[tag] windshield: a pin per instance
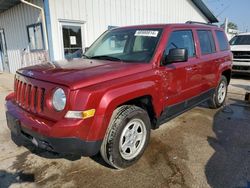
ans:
(131, 45)
(240, 40)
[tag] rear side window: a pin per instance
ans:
(207, 44)
(223, 43)
(181, 39)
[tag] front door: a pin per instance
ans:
(182, 78)
(4, 64)
(72, 35)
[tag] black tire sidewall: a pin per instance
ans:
(113, 152)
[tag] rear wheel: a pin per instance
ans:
(219, 96)
(127, 136)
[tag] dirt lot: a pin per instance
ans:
(201, 148)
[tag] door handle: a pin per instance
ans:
(189, 68)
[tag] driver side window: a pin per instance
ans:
(181, 39)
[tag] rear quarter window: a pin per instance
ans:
(206, 40)
(222, 40)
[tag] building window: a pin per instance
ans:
(35, 37)
(72, 41)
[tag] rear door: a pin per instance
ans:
(208, 58)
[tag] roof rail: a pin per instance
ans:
(201, 23)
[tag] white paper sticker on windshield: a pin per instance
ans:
(146, 33)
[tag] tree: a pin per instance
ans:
(232, 25)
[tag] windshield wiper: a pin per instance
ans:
(105, 57)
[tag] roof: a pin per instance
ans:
(205, 10)
(6, 4)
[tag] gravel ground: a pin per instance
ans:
(201, 148)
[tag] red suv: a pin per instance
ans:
(131, 80)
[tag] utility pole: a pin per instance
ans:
(226, 25)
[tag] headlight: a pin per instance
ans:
(59, 99)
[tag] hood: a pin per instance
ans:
(78, 73)
(240, 47)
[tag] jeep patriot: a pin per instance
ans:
(130, 80)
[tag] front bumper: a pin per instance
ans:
(29, 130)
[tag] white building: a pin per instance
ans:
(28, 28)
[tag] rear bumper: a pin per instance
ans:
(31, 130)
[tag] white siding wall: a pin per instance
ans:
(99, 14)
(14, 22)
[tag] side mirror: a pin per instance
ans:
(176, 55)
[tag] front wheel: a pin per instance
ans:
(218, 98)
(127, 136)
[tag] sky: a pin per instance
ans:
(237, 11)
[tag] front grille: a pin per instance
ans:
(29, 97)
(241, 68)
(241, 54)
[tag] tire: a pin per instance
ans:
(127, 136)
(218, 98)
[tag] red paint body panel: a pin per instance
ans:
(105, 85)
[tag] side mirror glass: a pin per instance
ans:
(176, 55)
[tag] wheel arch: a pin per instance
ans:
(227, 73)
(145, 102)
(140, 94)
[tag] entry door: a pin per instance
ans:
(4, 64)
(72, 38)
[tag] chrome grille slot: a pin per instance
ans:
(29, 97)
(241, 54)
